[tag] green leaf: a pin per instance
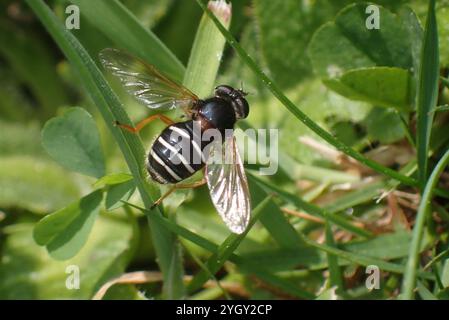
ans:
(124, 29)
(118, 192)
(112, 178)
(28, 272)
(34, 184)
(427, 92)
(442, 17)
(284, 35)
(74, 142)
(346, 43)
(65, 231)
(364, 64)
(381, 86)
(384, 125)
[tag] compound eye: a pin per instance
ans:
(241, 108)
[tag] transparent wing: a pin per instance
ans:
(145, 82)
(227, 184)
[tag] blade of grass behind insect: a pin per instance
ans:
(311, 208)
(427, 91)
(243, 264)
(424, 293)
(130, 145)
(216, 261)
(335, 274)
(114, 20)
(357, 258)
(412, 265)
(274, 220)
(211, 276)
(275, 90)
(207, 50)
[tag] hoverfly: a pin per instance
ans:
(227, 183)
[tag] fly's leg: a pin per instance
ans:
(144, 122)
(179, 186)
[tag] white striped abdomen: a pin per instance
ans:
(177, 153)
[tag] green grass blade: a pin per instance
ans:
(130, 145)
(412, 266)
(312, 209)
(357, 258)
(206, 53)
(273, 219)
(123, 28)
(427, 92)
(424, 293)
(439, 257)
(243, 264)
(216, 261)
(335, 273)
(275, 90)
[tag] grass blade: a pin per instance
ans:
(423, 211)
(216, 261)
(130, 145)
(427, 92)
(360, 259)
(335, 274)
(243, 264)
(125, 30)
(207, 50)
(273, 219)
(275, 90)
(312, 209)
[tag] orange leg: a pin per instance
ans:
(179, 186)
(144, 122)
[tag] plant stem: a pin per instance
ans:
(427, 92)
(423, 211)
(207, 50)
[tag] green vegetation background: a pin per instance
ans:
(365, 90)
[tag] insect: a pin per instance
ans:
(167, 162)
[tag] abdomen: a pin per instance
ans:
(177, 153)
